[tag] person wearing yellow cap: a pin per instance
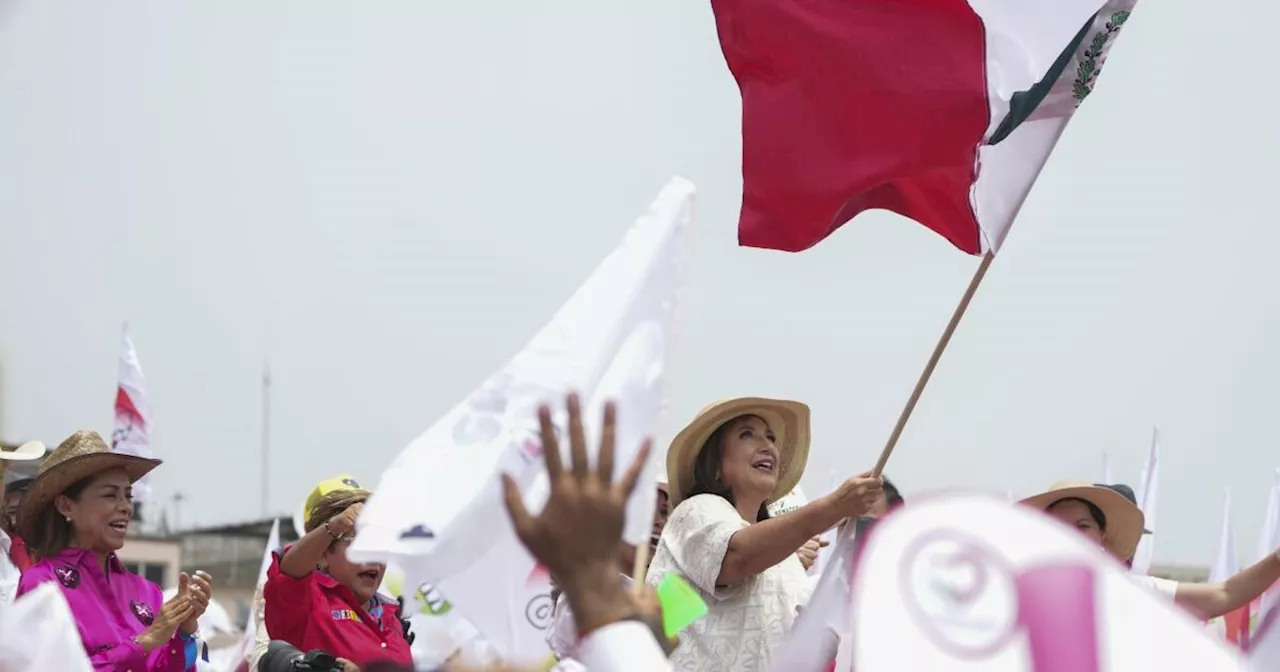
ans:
(317, 599)
(1108, 515)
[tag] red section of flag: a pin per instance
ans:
(856, 105)
(1238, 626)
(124, 405)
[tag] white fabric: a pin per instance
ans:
(9, 573)
(38, 632)
(1164, 588)
(1148, 492)
(610, 341)
(1023, 39)
(746, 622)
(562, 636)
(626, 646)
(132, 434)
(965, 583)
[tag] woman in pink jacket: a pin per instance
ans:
(75, 517)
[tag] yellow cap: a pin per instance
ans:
(343, 482)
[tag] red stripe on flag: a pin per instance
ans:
(124, 404)
(853, 106)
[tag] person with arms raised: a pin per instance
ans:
(725, 468)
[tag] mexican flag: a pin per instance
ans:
(943, 111)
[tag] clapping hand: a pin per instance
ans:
(199, 590)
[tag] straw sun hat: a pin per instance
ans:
(1124, 520)
(80, 456)
(789, 421)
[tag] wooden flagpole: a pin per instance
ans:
(938, 349)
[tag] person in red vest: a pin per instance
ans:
(317, 599)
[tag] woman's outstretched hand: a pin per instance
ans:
(859, 495)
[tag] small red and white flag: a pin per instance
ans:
(132, 433)
(943, 111)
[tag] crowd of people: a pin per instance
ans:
(712, 528)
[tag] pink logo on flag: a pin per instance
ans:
(970, 601)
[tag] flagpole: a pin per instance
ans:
(266, 434)
(938, 349)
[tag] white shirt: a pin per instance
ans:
(745, 623)
(1162, 587)
(9, 573)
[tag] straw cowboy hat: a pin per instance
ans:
(1124, 520)
(80, 456)
(789, 421)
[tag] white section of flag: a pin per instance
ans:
(1148, 491)
(132, 432)
(437, 512)
(1268, 543)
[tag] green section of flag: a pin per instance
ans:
(681, 605)
(1023, 103)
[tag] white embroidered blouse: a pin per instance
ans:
(746, 622)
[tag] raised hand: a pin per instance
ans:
(808, 553)
(581, 524)
(859, 494)
(200, 591)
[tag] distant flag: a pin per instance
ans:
(1268, 542)
(943, 112)
(132, 433)
(1148, 490)
(1233, 627)
(610, 341)
(1106, 469)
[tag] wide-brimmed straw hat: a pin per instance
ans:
(80, 456)
(789, 421)
(1124, 520)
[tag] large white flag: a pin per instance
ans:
(132, 433)
(1225, 566)
(437, 512)
(1148, 491)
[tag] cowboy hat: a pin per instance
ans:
(1124, 520)
(31, 450)
(789, 421)
(80, 456)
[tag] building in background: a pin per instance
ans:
(232, 555)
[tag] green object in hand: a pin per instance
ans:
(681, 605)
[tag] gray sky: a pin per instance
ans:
(389, 199)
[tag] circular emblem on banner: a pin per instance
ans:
(961, 593)
(540, 610)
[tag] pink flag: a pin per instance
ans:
(132, 434)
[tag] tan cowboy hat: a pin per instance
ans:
(1124, 520)
(789, 421)
(80, 456)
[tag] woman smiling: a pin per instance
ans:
(734, 459)
(75, 516)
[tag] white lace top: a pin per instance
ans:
(746, 622)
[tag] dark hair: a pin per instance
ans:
(892, 497)
(706, 469)
(50, 534)
(1098, 516)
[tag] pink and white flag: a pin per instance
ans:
(1268, 542)
(132, 433)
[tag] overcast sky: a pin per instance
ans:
(386, 200)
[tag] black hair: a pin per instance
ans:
(1096, 513)
(892, 497)
(706, 470)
